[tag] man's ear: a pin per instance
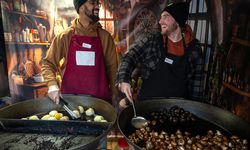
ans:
(80, 9)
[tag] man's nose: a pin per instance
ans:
(160, 21)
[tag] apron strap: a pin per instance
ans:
(74, 30)
(98, 34)
(183, 40)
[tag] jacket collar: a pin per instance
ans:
(92, 27)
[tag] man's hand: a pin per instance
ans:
(54, 96)
(53, 93)
(126, 89)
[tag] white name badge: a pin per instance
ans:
(85, 45)
(85, 58)
(169, 61)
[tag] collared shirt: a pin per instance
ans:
(148, 52)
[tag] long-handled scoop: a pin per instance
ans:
(65, 107)
(138, 121)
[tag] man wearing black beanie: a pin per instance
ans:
(171, 59)
(179, 12)
(85, 55)
(92, 14)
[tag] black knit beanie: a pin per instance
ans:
(179, 11)
(78, 4)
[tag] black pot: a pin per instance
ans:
(54, 134)
(215, 117)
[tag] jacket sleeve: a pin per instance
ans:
(196, 74)
(135, 55)
(110, 59)
(51, 61)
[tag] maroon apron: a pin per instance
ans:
(85, 69)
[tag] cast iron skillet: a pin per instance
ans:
(215, 117)
(11, 123)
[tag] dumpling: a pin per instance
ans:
(45, 117)
(78, 115)
(98, 118)
(34, 117)
(90, 112)
(81, 109)
(64, 118)
(52, 118)
(52, 113)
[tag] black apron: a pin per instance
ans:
(169, 79)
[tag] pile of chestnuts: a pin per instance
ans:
(148, 139)
(174, 115)
(154, 137)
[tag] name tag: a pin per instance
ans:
(169, 61)
(85, 58)
(85, 45)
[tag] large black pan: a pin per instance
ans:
(220, 118)
(40, 134)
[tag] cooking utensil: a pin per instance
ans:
(220, 118)
(65, 107)
(138, 121)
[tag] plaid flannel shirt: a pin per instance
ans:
(147, 52)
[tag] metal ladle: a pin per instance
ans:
(138, 121)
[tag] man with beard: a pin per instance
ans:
(84, 55)
(171, 60)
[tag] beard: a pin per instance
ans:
(92, 15)
(172, 28)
